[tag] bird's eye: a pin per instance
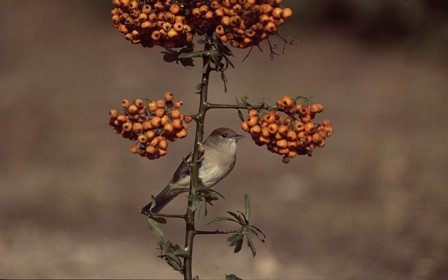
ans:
(224, 135)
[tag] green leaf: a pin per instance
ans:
(224, 79)
(194, 199)
(257, 232)
(247, 208)
(198, 88)
(187, 63)
(251, 245)
(154, 226)
(174, 262)
(238, 246)
(240, 114)
(160, 220)
(240, 220)
(232, 277)
(219, 219)
(170, 55)
(234, 239)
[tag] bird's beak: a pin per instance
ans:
(238, 136)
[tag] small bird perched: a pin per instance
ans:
(218, 159)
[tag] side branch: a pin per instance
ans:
(237, 106)
(205, 232)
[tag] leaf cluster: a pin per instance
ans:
(172, 254)
(237, 239)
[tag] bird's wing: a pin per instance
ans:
(183, 170)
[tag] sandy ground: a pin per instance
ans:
(371, 205)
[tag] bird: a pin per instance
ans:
(217, 161)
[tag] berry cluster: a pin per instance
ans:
(152, 23)
(172, 24)
(246, 23)
(150, 124)
(292, 135)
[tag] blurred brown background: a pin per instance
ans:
(371, 205)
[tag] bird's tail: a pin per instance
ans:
(162, 199)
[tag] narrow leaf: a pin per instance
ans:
(219, 219)
(247, 208)
(238, 246)
(232, 277)
(251, 245)
(198, 88)
(154, 226)
(234, 239)
(240, 220)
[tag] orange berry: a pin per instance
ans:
(159, 112)
(291, 135)
(188, 118)
(113, 114)
(154, 142)
(150, 150)
(270, 27)
(271, 117)
(284, 151)
(162, 152)
(164, 120)
(293, 144)
(253, 112)
(137, 128)
(245, 126)
(277, 12)
(132, 109)
(327, 123)
(282, 143)
(155, 35)
(150, 134)
(286, 159)
(160, 104)
(121, 118)
(155, 122)
(168, 128)
(152, 107)
(282, 129)
(264, 140)
(142, 139)
(175, 114)
(321, 144)
(177, 124)
(163, 144)
(127, 126)
(252, 121)
(273, 128)
(305, 118)
(146, 9)
(174, 9)
(329, 131)
(134, 149)
(125, 103)
(124, 3)
(292, 154)
(310, 127)
(181, 134)
(317, 138)
(178, 104)
(255, 130)
(147, 125)
(220, 30)
(287, 12)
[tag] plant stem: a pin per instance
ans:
(194, 168)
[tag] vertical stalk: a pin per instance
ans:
(194, 168)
